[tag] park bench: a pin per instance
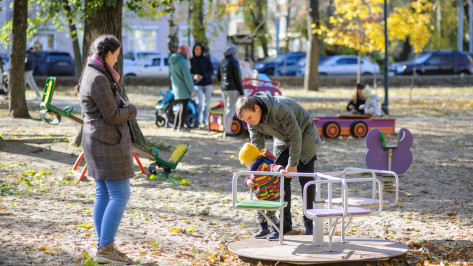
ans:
(52, 115)
(254, 204)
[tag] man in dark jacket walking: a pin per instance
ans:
(29, 67)
(201, 70)
(229, 76)
(296, 140)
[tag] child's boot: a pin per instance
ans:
(274, 235)
(264, 231)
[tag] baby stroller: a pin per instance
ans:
(167, 107)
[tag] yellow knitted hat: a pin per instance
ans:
(248, 153)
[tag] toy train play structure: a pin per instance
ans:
(329, 126)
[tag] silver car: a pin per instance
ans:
(344, 65)
(150, 66)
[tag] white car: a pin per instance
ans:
(344, 65)
(150, 66)
(133, 56)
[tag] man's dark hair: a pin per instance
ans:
(245, 103)
(360, 86)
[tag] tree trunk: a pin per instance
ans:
(107, 19)
(75, 40)
(261, 8)
(173, 35)
(311, 79)
(16, 79)
(198, 22)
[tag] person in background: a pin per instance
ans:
(29, 68)
(229, 75)
(201, 70)
(356, 104)
(181, 83)
(107, 143)
(371, 106)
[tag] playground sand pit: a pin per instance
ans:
(188, 219)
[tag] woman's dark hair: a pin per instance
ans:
(100, 47)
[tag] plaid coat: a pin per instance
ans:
(106, 137)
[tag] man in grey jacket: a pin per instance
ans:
(296, 140)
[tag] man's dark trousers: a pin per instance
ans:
(302, 168)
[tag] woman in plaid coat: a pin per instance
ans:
(106, 141)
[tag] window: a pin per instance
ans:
(185, 36)
(435, 60)
(156, 62)
(347, 61)
(447, 59)
(129, 55)
(143, 40)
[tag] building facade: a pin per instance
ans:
(137, 34)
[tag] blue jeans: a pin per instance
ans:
(229, 100)
(204, 94)
(110, 200)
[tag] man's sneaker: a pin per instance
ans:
(262, 233)
(274, 236)
(109, 254)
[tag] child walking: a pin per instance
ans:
(265, 187)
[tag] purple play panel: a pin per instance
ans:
(377, 156)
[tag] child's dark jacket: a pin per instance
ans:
(266, 187)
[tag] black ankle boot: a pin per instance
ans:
(287, 227)
(264, 231)
(308, 226)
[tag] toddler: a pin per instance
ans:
(265, 187)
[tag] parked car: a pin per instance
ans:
(133, 56)
(150, 66)
(345, 65)
(285, 64)
(301, 65)
(53, 63)
(434, 62)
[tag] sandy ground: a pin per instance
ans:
(46, 216)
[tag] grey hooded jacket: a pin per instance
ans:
(291, 126)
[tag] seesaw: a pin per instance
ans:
(52, 115)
